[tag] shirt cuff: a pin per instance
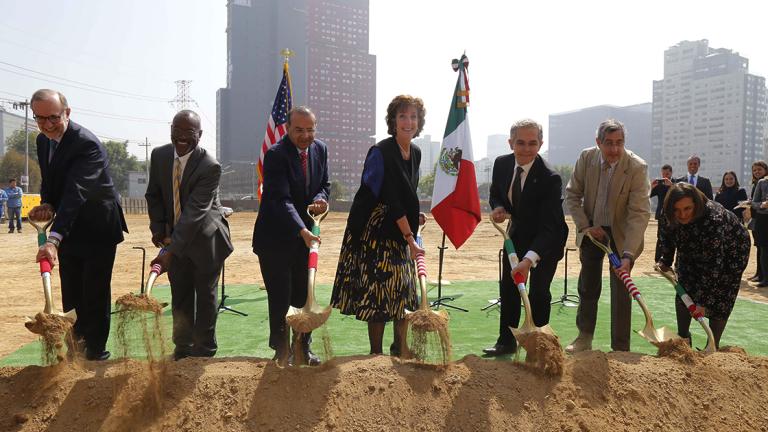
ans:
(628, 254)
(534, 257)
(56, 235)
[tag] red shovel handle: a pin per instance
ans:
(45, 266)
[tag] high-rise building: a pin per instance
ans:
(572, 131)
(331, 70)
(708, 104)
(10, 123)
(430, 150)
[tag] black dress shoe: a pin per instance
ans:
(97, 356)
(311, 358)
(762, 284)
(755, 278)
(498, 350)
(178, 355)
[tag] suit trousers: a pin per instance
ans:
(539, 295)
(285, 277)
(86, 286)
(590, 286)
(195, 307)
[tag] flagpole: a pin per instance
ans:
(440, 299)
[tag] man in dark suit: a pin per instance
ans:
(183, 203)
(659, 188)
(77, 188)
(528, 191)
(702, 183)
(281, 234)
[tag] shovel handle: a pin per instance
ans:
(629, 284)
(687, 300)
(45, 266)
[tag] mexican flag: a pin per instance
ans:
(455, 200)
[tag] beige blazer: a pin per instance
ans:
(627, 197)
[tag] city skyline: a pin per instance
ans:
(520, 66)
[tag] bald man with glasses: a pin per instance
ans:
(89, 223)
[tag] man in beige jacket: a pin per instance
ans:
(607, 197)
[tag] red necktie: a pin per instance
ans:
(304, 163)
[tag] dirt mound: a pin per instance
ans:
(597, 391)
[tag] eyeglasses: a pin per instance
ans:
(51, 118)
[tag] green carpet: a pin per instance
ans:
(470, 332)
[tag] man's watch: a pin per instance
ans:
(629, 256)
(54, 241)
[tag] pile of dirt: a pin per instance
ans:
(596, 392)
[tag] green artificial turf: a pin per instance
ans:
(470, 331)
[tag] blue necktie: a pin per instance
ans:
(690, 180)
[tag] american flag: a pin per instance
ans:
(276, 124)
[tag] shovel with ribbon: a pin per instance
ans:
(45, 272)
(425, 318)
(649, 332)
(312, 315)
(528, 326)
(698, 316)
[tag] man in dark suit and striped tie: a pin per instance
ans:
(702, 183)
(183, 203)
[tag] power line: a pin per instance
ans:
(80, 85)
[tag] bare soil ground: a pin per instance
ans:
(597, 391)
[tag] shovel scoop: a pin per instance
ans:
(50, 316)
(649, 332)
(425, 319)
(698, 316)
(312, 315)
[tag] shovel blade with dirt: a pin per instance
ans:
(670, 276)
(523, 333)
(424, 318)
(36, 324)
(649, 332)
(312, 315)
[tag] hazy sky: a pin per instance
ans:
(527, 59)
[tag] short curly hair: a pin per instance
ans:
(400, 103)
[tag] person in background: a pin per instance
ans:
(712, 248)
(702, 183)
(3, 199)
(659, 189)
(754, 219)
(759, 211)
(729, 195)
(375, 277)
(14, 194)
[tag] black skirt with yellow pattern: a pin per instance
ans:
(375, 278)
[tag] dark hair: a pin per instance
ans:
(679, 191)
(763, 165)
(610, 125)
(667, 166)
(400, 103)
(723, 186)
(10, 180)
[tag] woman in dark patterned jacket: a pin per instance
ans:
(712, 252)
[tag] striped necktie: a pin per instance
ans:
(304, 163)
(176, 190)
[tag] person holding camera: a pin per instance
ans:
(659, 188)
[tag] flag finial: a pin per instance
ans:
(287, 54)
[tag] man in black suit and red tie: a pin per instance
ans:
(295, 177)
(525, 189)
(702, 183)
(77, 188)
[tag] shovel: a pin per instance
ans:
(649, 332)
(312, 315)
(528, 325)
(45, 273)
(691, 308)
(422, 318)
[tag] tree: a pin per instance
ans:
(120, 163)
(12, 166)
(484, 191)
(16, 141)
(565, 171)
(427, 184)
(337, 190)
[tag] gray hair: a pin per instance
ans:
(696, 157)
(302, 110)
(44, 94)
(610, 125)
(526, 123)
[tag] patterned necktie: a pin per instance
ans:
(54, 144)
(176, 190)
(516, 188)
(304, 162)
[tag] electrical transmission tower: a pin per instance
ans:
(182, 100)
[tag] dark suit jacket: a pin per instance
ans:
(285, 197)
(702, 183)
(76, 182)
(202, 233)
(660, 192)
(539, 222)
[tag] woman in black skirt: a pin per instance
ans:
(375, 276)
